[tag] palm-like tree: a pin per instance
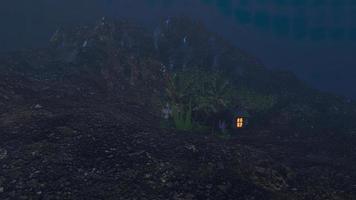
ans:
(216, 94)
(209, 92)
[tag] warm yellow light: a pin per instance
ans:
(239, 122)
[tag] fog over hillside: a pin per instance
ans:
(313, 38)
(181, 100)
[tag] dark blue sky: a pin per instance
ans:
(314, 38)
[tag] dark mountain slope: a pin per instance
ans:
(80, 120)
(85, 146)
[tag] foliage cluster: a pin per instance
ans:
(207, 91)
(257, 102)
(182, 118)
(194, 94)
(198, 95)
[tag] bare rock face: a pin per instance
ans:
(118, 56)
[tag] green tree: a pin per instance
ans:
(205, 92)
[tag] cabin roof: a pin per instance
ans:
(241, 113)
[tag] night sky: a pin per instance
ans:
(316, 39)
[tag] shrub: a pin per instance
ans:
(182, 119)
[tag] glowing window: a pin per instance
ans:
(239, 122)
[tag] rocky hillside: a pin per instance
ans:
(81, 120)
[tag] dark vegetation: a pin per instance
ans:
(82, 119)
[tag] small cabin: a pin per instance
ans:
(233, 119)
(240, 119)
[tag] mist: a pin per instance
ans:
(314, 39)
(178, 99)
